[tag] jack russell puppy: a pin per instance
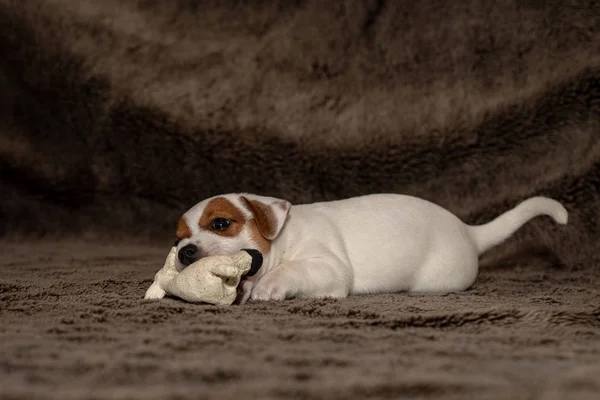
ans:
(369, 244)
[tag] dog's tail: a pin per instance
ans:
(495, 232)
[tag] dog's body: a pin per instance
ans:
(368, 244)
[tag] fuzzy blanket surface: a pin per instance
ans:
(74, 326)
(117, 116)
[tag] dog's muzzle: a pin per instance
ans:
(188, 254)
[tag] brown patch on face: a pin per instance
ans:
(263, 244)
(183, 230)
(220, 207)
(264, 217)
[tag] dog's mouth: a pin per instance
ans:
(242, 287)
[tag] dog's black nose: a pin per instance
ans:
(188, 254)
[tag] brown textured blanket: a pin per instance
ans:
(116, 116)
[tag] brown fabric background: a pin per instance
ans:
(116, 116)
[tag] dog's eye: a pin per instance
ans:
(220, 224)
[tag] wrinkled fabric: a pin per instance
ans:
(117, 116)
(74, 325)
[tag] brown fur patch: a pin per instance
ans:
(263, 244)
(220, 207)
(183, 230)
(264, 217)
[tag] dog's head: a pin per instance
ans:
(228, 223)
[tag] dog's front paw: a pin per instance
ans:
(270, 289)
(154, 292)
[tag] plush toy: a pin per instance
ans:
(211, 280)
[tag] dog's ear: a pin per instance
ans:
(269, 213)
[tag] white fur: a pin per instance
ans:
(369, 244)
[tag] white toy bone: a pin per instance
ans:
(211, 280)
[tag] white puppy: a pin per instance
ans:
(369, 244)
